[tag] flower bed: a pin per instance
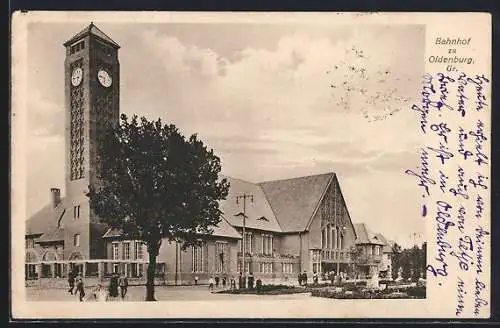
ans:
(363, 293)
(266, 290)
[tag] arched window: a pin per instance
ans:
(76, 240)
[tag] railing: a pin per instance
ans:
(371, 258)
(335, 255)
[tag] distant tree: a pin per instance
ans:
(154, 184)
(406, 264)
(396, 260)
(415, 262)
(357, 258)
(423, 259)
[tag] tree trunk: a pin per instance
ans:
(153, 250)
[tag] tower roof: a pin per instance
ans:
(92, 29)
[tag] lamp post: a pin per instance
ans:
(338, 254)
(244, 197)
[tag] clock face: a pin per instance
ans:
(104, 78)
(77, 76)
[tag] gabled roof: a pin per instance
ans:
(361, 233)
(254, 210)
(54, 236)
(92, 29)
(294, 201)
(366, 236)
(45, 221)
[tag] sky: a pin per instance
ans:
(273, 101)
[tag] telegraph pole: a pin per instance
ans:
(244, 197)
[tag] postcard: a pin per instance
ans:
(250, 165)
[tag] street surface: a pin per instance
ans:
(162, 293)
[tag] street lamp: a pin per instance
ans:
(338, 254)
(244, 197)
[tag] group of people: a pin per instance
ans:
(243, 282)
(117, 287)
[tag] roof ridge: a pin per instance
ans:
(296, 178)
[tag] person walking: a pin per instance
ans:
(217, 281)
(123, 283)
(71, 281)
(80, 291)
(299, 278)
(211, 284)
(224, 282)
(113, 286)
(232, 283)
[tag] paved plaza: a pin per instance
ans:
(162, 293)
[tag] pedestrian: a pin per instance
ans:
(196, 280)
(216, 281)
(113, 286)
(233, 283)
(211, 284)
(299, 279)
(224, 282)
(315, 278)
(79, 287)
(304, 278)
(71, 281)
(251, 280)
(123, 283)
(240, 281)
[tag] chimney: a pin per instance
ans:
(56, 196)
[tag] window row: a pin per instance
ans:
(332, 237)
(287, 267)
(77, 47)
(266, 267)
(128, 248)
(267, 244)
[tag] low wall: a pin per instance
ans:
(62, 283)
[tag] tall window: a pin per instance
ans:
(197, 259)
(126, 250)
(114, 248)
(247, 267)
(248, 243)
(287, 267)
(266, 267)
(30, 243)
(76, 240)
(139, 250)
(220, 257)
(76, 211)
(267, 244)
(331, 237)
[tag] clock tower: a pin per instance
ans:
(92, 75)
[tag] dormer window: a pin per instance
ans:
(262, 218)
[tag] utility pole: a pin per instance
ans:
(244, 197)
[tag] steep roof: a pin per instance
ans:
(366, 236)
(294, 201)
(361, 233)
(258, 212)
(45, 221)
(92, 29)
